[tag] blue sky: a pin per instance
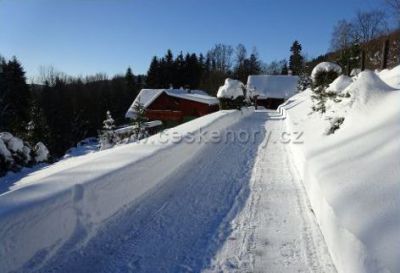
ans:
(82, 37)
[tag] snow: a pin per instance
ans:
(355, 71)
(193, 95)
(231, 89)
(86, 146)
(15, 144)
(276, 229)
(391, 77)
(351, 176)
(325, 67)
(41, 152)
(6, 136)
(147, 96)
(68, 203)
(273, 86)
(4, 151)
(340, 84)
(168, 206)
(148, 124)
(26, 151)
(180, 201)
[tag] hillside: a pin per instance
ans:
(373, 51)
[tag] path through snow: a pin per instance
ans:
(276, 231)
(236, 207)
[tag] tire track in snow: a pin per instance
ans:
(173, 228)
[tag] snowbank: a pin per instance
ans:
(352, 176)
(340, 84)
(391, 77)
(68, 202)
(325, 67)
(231, 89)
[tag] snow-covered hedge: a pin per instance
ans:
(324, 73)
(232, 94)
(15, 153)
(352, 175)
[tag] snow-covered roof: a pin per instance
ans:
(231, 89)
(273, 86)
(325, 67)
(147, 96)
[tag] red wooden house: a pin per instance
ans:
(174, 104)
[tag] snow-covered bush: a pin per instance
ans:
(232, 94)
(107, 137)
(324, 73)
(334, 125)
(304, 82)
(139, 129)
(41, 152)
(15, 153)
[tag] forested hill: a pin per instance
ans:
(373, 53)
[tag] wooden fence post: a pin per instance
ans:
(363, 60)
(348, 68)
(385, 53)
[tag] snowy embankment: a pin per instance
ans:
(77, 196)
(352, 175)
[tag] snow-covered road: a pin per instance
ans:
(238, 206)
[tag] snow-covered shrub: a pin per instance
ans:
(232, 94)
(334, 125)
(319, 101)
(354, 72)
(139, 129)
(304, 82)
(41, 152)
(107, 137)
(15, 153)
(325, 73)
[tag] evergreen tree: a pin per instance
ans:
(3, 101)
(139, 129)
(16, 96)
(296, 61)
(285, 69)
(153, 74)
(37, 128)
(108, 138)
(254, 64)
(130, 80)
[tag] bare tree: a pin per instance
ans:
(241, 54)
(395, 6)
(369, 25)
(343, 35)
(221, 57)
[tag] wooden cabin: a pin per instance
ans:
(174, 104)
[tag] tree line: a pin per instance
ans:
(206, 72)
(60, 110)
